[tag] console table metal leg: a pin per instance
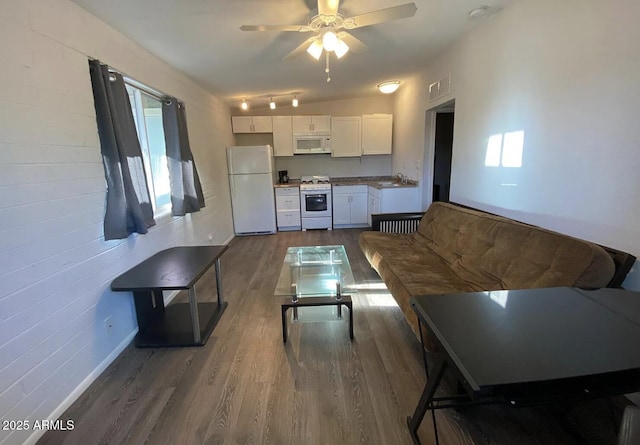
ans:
(195, 317)
(426, 400)
(218, 282)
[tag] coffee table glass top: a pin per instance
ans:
(315, 271)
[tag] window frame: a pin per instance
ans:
(138, 89)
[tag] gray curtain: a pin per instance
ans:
(128, 203)
(186, 191)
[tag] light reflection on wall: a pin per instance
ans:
(505, 150)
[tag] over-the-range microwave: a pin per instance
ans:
(311, 144)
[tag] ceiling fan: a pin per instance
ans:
(330, 29)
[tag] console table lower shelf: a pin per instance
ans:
(175, 327)
(179, 324)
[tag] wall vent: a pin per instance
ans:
(439, 88)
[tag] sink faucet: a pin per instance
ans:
(402, 178)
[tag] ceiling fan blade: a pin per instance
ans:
(300, 49)
(328, 7)
(296, 28)
(381, 15)
(355, 45)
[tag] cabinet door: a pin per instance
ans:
(400, 199)
(345, 136)
(301, 124)
(241, 124)
(373, 206)
(377, 131)
(341, 209)
(321, 124)
(262, 124)
(359, 208)
(282, 136)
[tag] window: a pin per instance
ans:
(147, 114)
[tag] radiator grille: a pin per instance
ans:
(403, 226)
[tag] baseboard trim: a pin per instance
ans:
(82, 387)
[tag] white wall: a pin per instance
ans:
(55, 267)
(379, 165)
(566, 73)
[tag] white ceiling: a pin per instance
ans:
(202, 39)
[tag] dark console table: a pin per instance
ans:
(530, 346)
(179, 324)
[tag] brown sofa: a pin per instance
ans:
(458, 249)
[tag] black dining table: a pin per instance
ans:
(531, 346)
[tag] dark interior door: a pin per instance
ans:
(442, 156)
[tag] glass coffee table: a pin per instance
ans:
(315, 276)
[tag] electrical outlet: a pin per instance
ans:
(108, 325)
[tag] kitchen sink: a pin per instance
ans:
(389, 183)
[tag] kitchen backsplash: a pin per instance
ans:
(335, 167)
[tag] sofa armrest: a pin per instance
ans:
(396, 222)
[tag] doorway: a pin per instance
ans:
(439, 124)
(442, 151)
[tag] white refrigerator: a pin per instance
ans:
(251, 179)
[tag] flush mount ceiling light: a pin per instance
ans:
(478, 12)
(330, 29)
(389, 86)
(244, 105)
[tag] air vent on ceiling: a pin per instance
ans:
(439, 88)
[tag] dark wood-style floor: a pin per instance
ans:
(246, 387)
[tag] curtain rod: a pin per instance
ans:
(156, 94)
(142, 87)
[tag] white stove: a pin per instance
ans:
(314, 183)
(315, 202)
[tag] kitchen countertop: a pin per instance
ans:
(373, 181)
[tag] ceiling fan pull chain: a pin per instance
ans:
(326, 70)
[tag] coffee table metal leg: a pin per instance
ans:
(426, 400)
(350, 306)
(195, 318)
(284, 323)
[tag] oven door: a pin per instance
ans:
(315, 203)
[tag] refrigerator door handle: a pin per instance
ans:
(233, 187)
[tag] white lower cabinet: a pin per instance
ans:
(349, 206)
(288, 208)
(393, 200)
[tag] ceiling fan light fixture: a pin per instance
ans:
(389, 86)
(294, 102)
(341, 48)
(244, 105)
(315, 49)
(329, 41)
(272, 104)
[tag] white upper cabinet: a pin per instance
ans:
(311, 124)
(282, 136)
(251, 124)
(377, 131)
(345, 136)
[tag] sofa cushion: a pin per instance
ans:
(490, 250)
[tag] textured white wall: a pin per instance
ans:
(565, 73)
(54, 264)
